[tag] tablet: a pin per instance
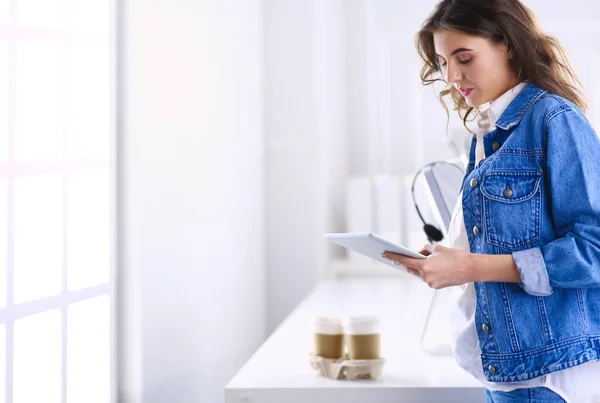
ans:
(371, 245)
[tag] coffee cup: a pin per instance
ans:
(328, 337)
(363, 337)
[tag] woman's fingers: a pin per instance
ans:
(424, 252)
(412, 265)
(429, 249)
(415, 272)
(407, 262)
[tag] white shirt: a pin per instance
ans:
(578, 384)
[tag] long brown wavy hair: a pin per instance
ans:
(537, 57)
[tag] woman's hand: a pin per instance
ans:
(444, 267)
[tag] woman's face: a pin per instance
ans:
(477, 68)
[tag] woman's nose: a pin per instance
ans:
(453, 74)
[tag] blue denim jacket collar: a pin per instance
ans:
(510, 118)
(514, 113)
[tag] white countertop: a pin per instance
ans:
(280, 370)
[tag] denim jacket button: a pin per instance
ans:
(485, 328)
(492, 369)
(508, 192)
(475, 230)
(473, 182)
(495, 146)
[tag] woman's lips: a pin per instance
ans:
(466, 92)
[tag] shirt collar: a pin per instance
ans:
(498, 106)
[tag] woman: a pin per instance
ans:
(525, 234)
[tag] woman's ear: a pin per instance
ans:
(509, 49)
(510, 53)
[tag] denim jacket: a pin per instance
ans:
(536, 196)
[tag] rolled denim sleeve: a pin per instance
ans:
(572, 260)
(534, 275)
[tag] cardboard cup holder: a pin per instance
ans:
(344, 368)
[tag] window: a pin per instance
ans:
(56, 201)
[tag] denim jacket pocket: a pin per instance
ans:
(512, 203)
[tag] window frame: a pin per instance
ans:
(11, 170)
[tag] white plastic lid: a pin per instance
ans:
(327, 325)
(361, 325)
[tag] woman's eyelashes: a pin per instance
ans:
(461, 61)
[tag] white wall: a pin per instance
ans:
(193, 185)
(305, 123)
